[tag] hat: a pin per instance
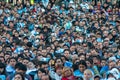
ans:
(115, 73)
(106, 39)
(112, 59)
(111, 78)
(97, 76)
(71, 2)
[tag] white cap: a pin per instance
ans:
(111, 78)
(115, 73)
(71, 2)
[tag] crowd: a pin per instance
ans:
(60, 40)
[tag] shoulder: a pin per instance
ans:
(10, 77)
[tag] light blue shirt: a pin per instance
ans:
(45, 2)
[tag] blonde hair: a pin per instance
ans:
(89, 71)
(64, 70)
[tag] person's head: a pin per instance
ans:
(63, 58)
(103, 62)
(20, 68)
(2, 68)
(25, 61)
(96, 60)
(67, 53)
(12, 61)
(111, 64)
(31, 65)
(89, 62)
(72, 48)
(74, 57)
(82, 56)
(58, 70)
(58, 62)
(88, 74)
(7, 55)
(105, 33)
(44, 65)
(67, 72)
(44, 52)
(2, 59)
(19, 76)
(82, 65)
(41, 72)
(118, 64)
(97, 77)
(45, 77)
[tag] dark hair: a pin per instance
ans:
(83, 63)
(12, 58)
(50, 55)
(26, 58)
(23, 78)
(42, 70)
(20, 66)
(81, 54)
(2, 65)
(66, 50)
(43, 63)
(90, 60)
(57, 59)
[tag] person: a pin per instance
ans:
(19, 76)
(19, 68)
(88, 75)
(97, 77)
(67, 74)
(40, 73)
(46, 30)
(45, 77)
(82, 66)
(57, 73)
(2, 71)
(10, 68)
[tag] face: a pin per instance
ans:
(59, 71)
(12, 62)
(58, 61)
(72, 48)
(111, 64)
(18, 77)
(45, 77)
(1, 70)
(103, 63)
(88, 64)
(100, 46)
(7, 56)
(67, 72)
(40, 74)
(82, 57)
(95, 60)
(31, 65)
(105, 33)
(45, 66)
(25, 62)
(87, 75)
(67, 54)
(44, 52)
(82, 68)
(2, 59)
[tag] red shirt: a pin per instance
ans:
(69, 78)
